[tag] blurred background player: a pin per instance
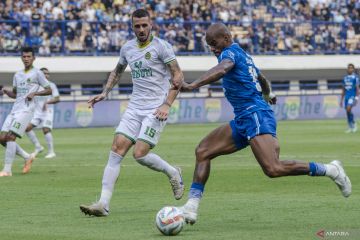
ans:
(26, 84)
(254, 123)
(350, 92)
(43, 117)
(153, 65)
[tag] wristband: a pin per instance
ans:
(356, 98)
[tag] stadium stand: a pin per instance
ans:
(100, 27)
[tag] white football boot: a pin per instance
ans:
(177, 184)
(95, 209)
(341, 179)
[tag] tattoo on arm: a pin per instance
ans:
(264, 83)
(114, 77)
(176, 73)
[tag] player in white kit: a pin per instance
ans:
(26, 85)
(43, 117)
(153, 65)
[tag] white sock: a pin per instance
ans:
(111, 174)
(9, 155)
(331, 171)
(21, 152)
(32, 136)
(49, 141)
(154, 162)
(193, 203)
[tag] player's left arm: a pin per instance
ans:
(212, 75)
(55, 95)
(266, 89)
(177, 80)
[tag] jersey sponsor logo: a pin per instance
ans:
(140, 72)
(147, 55)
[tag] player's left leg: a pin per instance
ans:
(221, 141)
(148, 137)
(50, 142)
(351, 118)
(10, 153)
(32, 136)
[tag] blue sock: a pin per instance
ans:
(317, 169)
(348, 119)
(351, 119)
(196, 190)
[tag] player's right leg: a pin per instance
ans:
(124, 138)
(219, 142)
(120, 147)
(32, 136)
(266, 149)
(14, 126)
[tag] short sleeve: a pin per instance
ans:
(228, 54)
(42, 79)
(122, 59)
(55, 91)
(166, 52)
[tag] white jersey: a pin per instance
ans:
(149, 73)
(41, 100)
(26, 83)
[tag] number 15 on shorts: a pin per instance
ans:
(150, 132)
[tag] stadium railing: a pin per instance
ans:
(187, 37)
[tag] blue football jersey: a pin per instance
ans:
(241, 85)
(350, 82)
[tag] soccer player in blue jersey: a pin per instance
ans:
(350, 93)
(254, 123)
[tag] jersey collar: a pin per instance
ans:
(26, 71)
(145, 44)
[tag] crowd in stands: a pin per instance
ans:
(259, 26)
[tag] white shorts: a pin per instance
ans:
(141, 125)
(44, 119)
(17, 123)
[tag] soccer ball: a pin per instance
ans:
(170, 221)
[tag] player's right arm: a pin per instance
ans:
(113, 79)
(11, 94)
(342, 95)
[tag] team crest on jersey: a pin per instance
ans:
(147, 55)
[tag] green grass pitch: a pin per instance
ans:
(240, 202)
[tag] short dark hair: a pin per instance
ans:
(28, 49)
(44, 69)
(351, 64)
(139, 13)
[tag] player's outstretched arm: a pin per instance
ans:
(113, 79)
(212, 75)
(177, 79)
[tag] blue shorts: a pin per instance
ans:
(349, 101)
(247, 127)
